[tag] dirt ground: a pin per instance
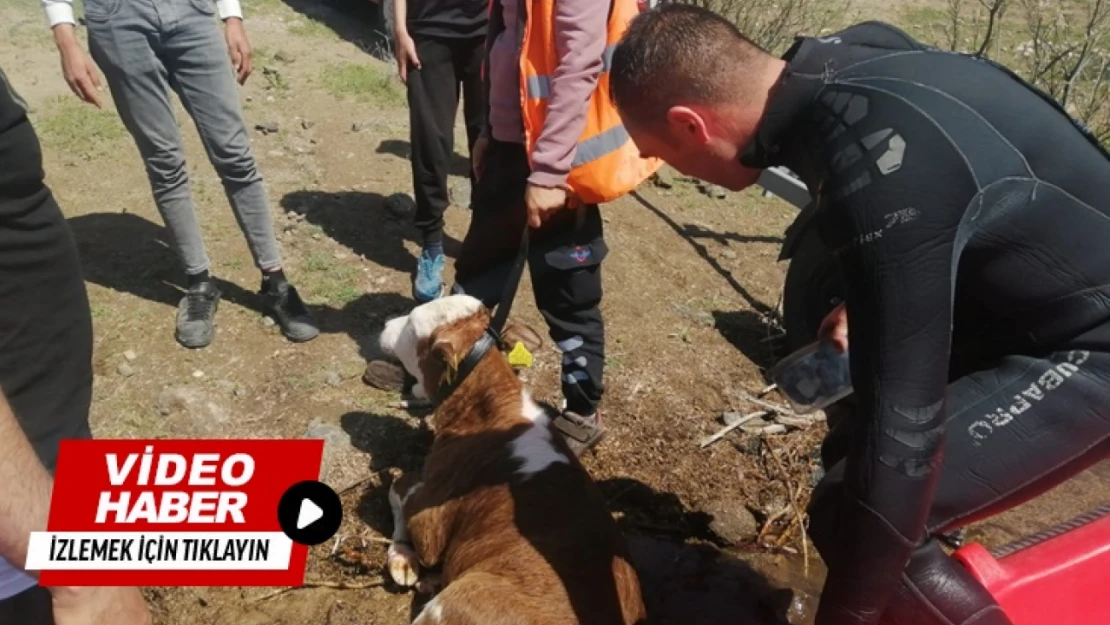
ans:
(692, 284)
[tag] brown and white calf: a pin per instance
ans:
(520, 530)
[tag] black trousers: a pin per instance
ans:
(564, 260)
(1016, 429)
(45, 321)
(433, 93)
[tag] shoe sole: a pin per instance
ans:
(420, 298)
(383, 377)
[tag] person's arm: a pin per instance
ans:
(581, 29)
(25, 488)
(77, 68)
(238, 44)
(899, 270)
(403, 44)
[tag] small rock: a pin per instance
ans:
(198, 374)
(307, 123)
(713, 191)
(400, 205)
(316, 236)
(358, 127)
(774, 429)
(301, 151)
(276, 153)
(750, 445)
(270, 98)
(332, 378)
(664, 177)
(250, 98)
(732, 521)
(460, 192)
(283, 56)
(268, 321)
(270, 71)
(130, 355)
(267, 128)
(202, 602)
(339, 256)
(125, 370)
(192, 403)
(729, 254)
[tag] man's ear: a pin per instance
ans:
(688, 123)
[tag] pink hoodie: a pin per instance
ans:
(580, 31)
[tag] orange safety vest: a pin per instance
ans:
(606, 163)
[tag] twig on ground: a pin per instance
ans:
(785, 535)
(773, 407)
(721, 433)
(770, 521)
(793, 500)
(800, 422)
(767, 389)
(348, 488)
(335, 547)
(374, 583)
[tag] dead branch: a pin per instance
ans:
(793, 501)
(721, 433)
(374, 583)
(995, 10)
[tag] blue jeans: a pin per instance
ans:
(147, 47)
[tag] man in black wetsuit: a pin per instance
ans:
(971, 220)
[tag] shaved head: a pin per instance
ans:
(682, 55)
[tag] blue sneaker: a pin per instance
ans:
(428, 283)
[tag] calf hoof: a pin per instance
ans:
(430, 584)
(404, 566)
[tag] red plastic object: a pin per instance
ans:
(1060, 581)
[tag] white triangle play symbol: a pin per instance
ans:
(309, 514)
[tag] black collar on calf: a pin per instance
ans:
(491, 338)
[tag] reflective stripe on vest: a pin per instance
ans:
(540, 86)
(606, 163)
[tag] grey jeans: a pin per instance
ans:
(147, 47)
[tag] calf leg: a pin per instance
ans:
(404, 565)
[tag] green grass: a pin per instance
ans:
(69, 126)
(330, 280)
(365, 82)
(305, 26)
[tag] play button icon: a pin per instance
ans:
(310, 512)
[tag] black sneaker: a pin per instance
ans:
(196, 315)
(287, 308)
(581, 433)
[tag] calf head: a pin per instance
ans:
(432, 339)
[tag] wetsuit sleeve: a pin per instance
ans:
(897, 259)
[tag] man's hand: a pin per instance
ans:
(406, 54)
(79, 70)
(239, 47)
(834, 328)
(478, 155)
(99, 606)
(542, 202)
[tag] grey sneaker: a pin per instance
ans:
(581, 433)
(290, 313)
(196, 315)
